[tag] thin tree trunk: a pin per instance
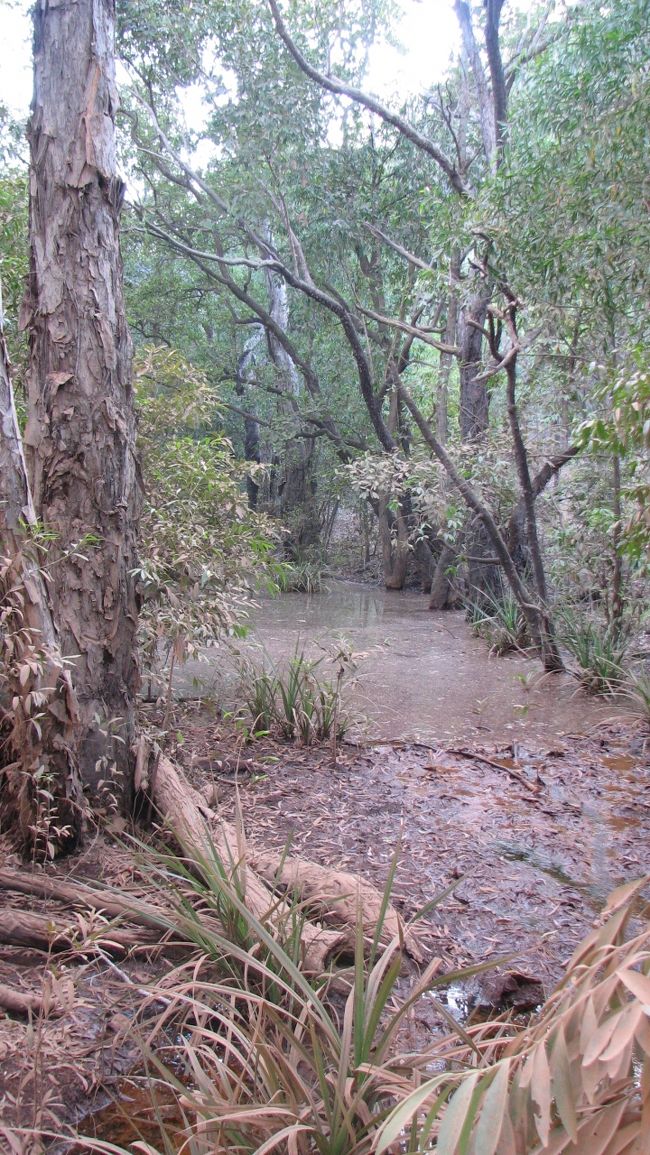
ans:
(252, 450)
(521, 461)
(535, 615)
(617, 577)
(80, 429)
(298, 507)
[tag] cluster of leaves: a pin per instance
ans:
(570, 1081)
(624, 429)
(203, 552)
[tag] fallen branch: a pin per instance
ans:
(337, 895)
(510, 770)
(200, 835)
(78, 894)
(52, 933)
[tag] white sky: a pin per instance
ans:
(427, 27)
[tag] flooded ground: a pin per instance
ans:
(422, 676)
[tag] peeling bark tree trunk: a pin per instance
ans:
(40, 788)
(80, 429)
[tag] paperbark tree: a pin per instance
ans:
(79, 436)
(40, 785)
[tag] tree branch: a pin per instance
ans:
(340, 88)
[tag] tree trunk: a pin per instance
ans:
(393, 534)
(80, 429)
(440, 583)
(297, 506)
(244, 378)
(40, 787)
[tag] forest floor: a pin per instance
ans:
(535, 835)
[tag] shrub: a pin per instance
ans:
(599, 651)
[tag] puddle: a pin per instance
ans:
(422, 675)
(140, 1112)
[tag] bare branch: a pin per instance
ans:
(412, 330)
(408, 256)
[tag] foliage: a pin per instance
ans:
(13, 257)
(302, 577)
(599, 650)
(500, 621)
(575, 1078)
(634, 694)
(266, 1059)
(623, 428)
(303, 705)
(203, 552)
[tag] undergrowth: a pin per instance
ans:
(296, 699)
(500, 621)
(599, 651)
(266, 1058)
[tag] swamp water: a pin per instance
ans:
(421, 676)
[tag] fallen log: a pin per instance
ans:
(338, 896)
(78, 894)
(200, 834)
(24, 1004)
(53, 933)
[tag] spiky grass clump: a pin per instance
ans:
(295, 699)
(599, 651)
(501, 622)
(299, 577)
(264, 1059)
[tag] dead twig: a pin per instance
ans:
(510, 770)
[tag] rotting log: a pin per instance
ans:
(49, 932)
(339, 896)
(26, 1004)
(75, 893)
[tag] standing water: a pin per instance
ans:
(420, 675)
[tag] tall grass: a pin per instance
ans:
(263, 1059)
(598, 650)
(501, 622)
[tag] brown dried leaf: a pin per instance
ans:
(637, 983)
(625, 1032)
(540, 1090)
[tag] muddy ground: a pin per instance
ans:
(534, 835)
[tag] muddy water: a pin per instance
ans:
(420, 675)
